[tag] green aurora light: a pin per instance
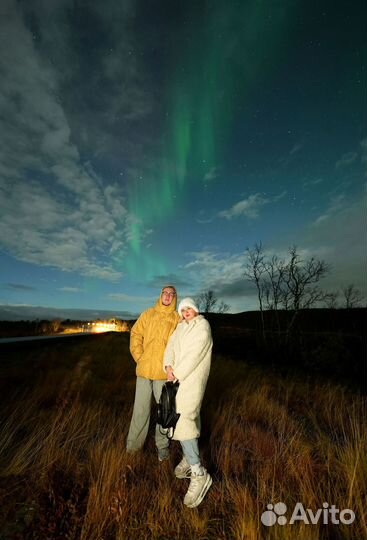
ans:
(216, 59)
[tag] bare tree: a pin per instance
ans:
(353, 296)
(254, 272)
(331, 299)
(273, 286)
(223, 307)
(207, 302)
(55, 325)
(291, 285)
(300, 281)
(275, 270)
(45, 327)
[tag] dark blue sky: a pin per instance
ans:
(144, 143)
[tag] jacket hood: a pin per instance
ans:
(187, 302)
(166, 309)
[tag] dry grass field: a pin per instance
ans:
(65, 411)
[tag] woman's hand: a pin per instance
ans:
(170, 374)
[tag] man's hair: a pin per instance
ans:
(168, 287)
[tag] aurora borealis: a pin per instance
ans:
(210, 78)
(144, 143)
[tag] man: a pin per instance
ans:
(148, 340)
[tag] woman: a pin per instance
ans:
(187, 358)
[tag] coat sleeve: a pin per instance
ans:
(194, 353)
(137, 338)
(169, 354)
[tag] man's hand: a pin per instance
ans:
(170, 374)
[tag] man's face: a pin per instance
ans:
(168, 295)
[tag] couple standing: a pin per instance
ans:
(167, 345)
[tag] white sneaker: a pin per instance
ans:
(183, 469)
(199, 485)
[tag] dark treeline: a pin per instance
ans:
(22, 328)
(36, 328)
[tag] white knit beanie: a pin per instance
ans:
(187, 302)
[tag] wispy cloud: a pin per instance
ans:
(168, 279)
(311, 183)
(346, 160)
(212, 270)
(292, 154)
(339, 236)
(204, 220)
(39, 228)
(108, 95)
(296, 148)
(249, 207)
(55, 209)
(224, 274)
(70, 289)
(363, 145)
(20, 287)
(336, 203)
(126, 298)
(211, 174)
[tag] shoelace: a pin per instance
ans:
(194, 482)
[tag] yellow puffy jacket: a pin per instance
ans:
(148, 339)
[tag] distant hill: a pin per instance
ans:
(31, 313)
(308, 320)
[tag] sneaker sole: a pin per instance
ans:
(203, 492)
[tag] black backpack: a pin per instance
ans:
(167, 416)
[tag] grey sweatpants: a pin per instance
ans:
(141, 415)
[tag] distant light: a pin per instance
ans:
(100, 326)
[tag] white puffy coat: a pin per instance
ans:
(189, 351)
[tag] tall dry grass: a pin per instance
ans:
(265, 439)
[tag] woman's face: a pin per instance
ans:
(188, 313)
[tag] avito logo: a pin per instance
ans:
(327, 514)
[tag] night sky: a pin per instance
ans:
(151, 142)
